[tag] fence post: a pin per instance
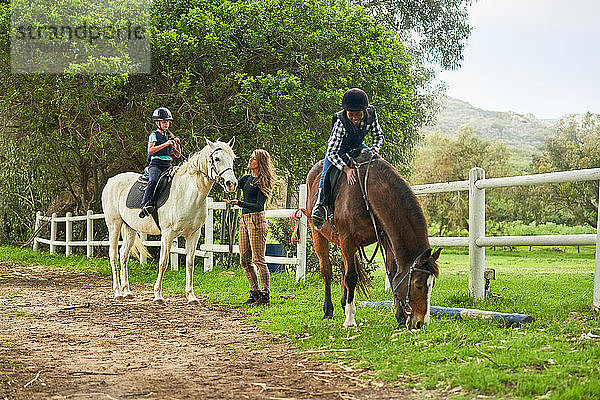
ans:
(68, 232)
(143, 257)
(36, 232)
(175, 255)
(208, 236)
(301, 246)
(89, 234)
(596, 301)
(476, 230)
(52, 232)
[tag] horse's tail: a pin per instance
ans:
(138, 249)
(364, 283)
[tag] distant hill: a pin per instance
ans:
(523, 134)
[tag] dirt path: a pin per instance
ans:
(63, 337)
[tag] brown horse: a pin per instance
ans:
(411, 266)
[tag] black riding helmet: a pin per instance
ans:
(355, 99)
(162, 114)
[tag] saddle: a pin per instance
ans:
(334, 179)
(161, 192)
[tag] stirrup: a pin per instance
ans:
(318, 216)
(146, 210)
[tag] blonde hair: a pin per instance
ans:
(266, 172)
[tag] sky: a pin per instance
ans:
(539, 57)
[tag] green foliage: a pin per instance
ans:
(577, 147)
(446, 159)
(269, 72)
(273, 73)
(466, 359)
(438, 29)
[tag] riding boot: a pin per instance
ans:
(263, 299)
(254, 296)
(146, 210)
(319, 213)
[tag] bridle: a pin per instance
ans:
(406, 307)
(214, 175)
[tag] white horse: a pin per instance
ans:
(183, 214)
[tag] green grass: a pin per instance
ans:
(551, 358)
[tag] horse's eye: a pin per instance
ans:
(419, 287)
(217, 159)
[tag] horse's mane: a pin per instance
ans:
(199, 161)
(402, 192)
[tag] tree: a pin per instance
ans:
(270, 72)
(446, 159)
(273, 72)
(437, 30)
(576, 147)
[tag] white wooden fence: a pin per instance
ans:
(206, 249)
(476, 241)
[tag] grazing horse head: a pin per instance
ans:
(412, 289)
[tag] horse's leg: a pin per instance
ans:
(321, 245)
(190, 248)
(350, 280)
(165, 246)
(128, 240)
(343, 284)
(114, 231)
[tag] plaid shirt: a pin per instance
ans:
(338, 132)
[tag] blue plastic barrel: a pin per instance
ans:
(274, 250)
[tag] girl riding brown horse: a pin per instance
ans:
(401, 229)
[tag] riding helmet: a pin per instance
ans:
(355, 99)
(162, 114)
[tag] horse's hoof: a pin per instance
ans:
(193, 302)
(349, 322)
(327, 316)
(129, 296)
(159, 301)
(119, 297)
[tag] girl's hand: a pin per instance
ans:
(350, 175)
(233, 202)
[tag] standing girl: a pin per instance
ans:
(257, 188)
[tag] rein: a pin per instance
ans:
(231, 221)
(295, 222)
(361, 252)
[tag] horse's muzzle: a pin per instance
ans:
(230, 186)
(412, 323)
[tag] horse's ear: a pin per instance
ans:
(424, 256)
(231, 142)
(436, 255)
(208, 142)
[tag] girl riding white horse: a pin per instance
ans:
(183, 214)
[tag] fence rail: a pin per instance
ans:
(206, 250)
(476, 241)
